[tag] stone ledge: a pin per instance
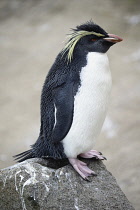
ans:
(32, 186)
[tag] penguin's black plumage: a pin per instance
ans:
(59, 94)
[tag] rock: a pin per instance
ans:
(32, 186)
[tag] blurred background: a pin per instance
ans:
(31, 35)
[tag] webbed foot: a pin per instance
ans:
(81, 168)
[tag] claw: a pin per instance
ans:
(94, 174)
(87, 179)
(93, 154)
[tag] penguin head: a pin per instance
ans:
(89, 37)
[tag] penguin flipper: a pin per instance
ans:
(64, 105)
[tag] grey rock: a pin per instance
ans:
(31, 185)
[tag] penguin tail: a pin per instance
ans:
(24, 156)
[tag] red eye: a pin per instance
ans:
(93, 40)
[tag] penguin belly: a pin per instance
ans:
(90, 105)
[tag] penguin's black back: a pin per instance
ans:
(61, 75)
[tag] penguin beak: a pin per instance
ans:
(113, 38)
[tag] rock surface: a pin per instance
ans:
(31, 185)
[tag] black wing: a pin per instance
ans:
(63, 111)
(57, 104)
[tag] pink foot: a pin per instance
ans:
(81, 168)
(92, 154)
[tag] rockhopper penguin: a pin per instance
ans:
(75, 98)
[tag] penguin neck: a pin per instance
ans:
(98, 63)
(96, 73)
(97, 59)
(81, 60)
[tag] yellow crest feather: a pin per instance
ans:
(73, 39)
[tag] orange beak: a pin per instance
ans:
(113, 38)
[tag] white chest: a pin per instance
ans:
(90, 105)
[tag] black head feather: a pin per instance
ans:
(90, 26)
